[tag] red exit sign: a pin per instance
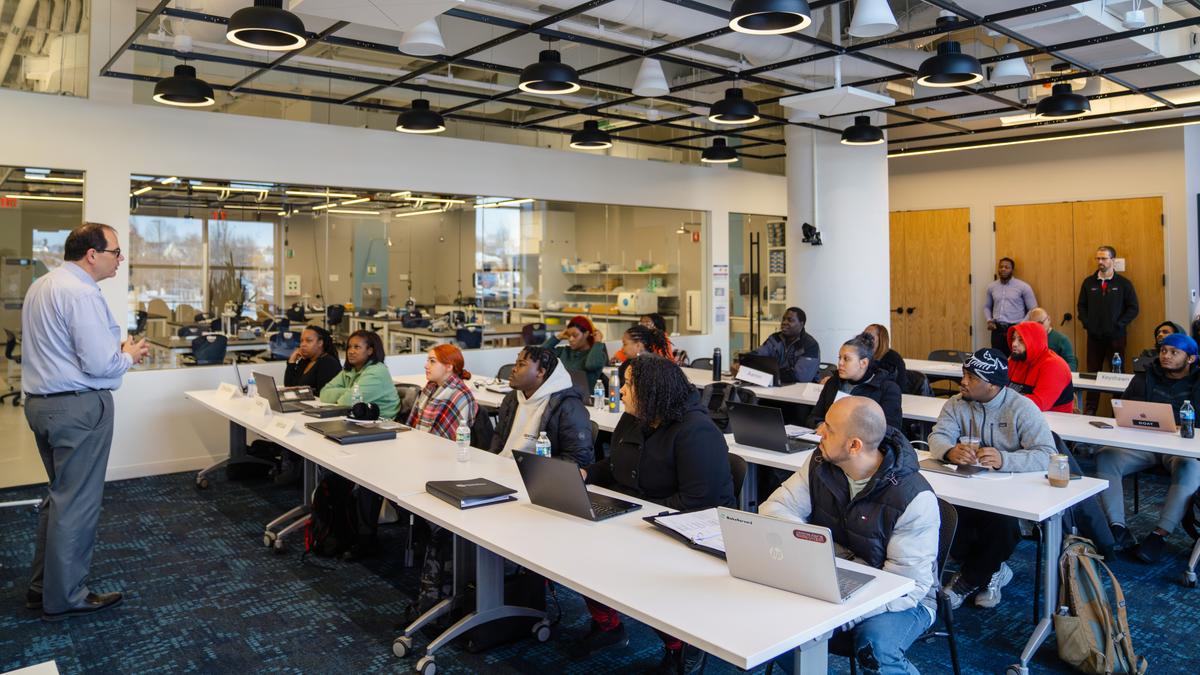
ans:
(8, 203)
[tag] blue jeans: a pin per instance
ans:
(878, 643)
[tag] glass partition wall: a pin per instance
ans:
(413, 266)
(38, 208)
(758, 261)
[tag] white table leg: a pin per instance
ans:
(811, 658)
(1051, 544)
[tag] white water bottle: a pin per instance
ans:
(598, 396)
(463, 438)
(355, 394)
(542, 446)
(251, 388)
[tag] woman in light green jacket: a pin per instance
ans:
(365, 368)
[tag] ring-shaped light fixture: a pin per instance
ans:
(1063, 103)
(733, 109)
(769, 17)
(719, 153)
(591, 137)
(862, 132)
(549, 75)
(420, 119)
(266, 25)
(184, 89)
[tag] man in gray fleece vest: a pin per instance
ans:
(993, 426)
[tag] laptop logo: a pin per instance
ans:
(809, 536)
(776, 553)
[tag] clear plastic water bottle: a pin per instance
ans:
(251, 388)
(355, 394)
(598, 395)
(463, 438)
(542, 446)
(614, 398)
(1117, 363)
(1187, 420)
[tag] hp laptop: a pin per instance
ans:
(786, 555)
(760, 426)
(266, 387)
(556, 484)
(345, 432)
(1143, 415)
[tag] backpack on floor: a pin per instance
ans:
(1090, 636)
(332, 527)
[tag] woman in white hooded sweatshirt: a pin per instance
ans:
(543, 399)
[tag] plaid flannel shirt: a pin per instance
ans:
(438, 409)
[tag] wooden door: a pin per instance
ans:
(1135, 228)
(1040, 239)
(931, 261)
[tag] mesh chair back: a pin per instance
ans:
(140, 321)
(505, 371)
(469, 338)
(281, 345)
(334, 315)
(533, 334)
(702, 363)
(295, 313)
(949, 355)
(737, 470)
(408, 394)
(209, 349)
(190, 331)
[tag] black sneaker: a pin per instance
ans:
(692, 660)
(33, 600)
(1123, 537)
(288, 471)
(598, 639)
(1151, 548)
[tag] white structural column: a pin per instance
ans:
(844, 284)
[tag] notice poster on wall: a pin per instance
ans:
(720, 293)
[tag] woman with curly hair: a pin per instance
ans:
(639, 340)
(665, 449)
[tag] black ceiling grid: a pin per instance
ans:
(678, 129)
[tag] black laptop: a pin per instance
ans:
(345, 432)
(762, 427)
(763, 364)
(556, 484)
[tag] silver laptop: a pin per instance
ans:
(268, 390)
(786, 555)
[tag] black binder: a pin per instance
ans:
(653, 520)
(470, 493)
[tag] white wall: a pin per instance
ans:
(1140, 164)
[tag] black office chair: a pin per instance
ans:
(408, 394)
(207, 350)
(482, 430)
(140, 321)
(505, 372)
(737, 470)
(276, 325)
(281, 345)
(190, 331)
(945, 541)
(295, 313)
(702, 363)
(826, 369)
(595, 431)
(469, 338)
(334, 315)
(533, 334)
(201, 317)
(947, 356)
(579, 380)
(11, 356)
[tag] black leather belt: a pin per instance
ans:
(65, 393)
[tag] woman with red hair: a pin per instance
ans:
(446, 399)
(584, 349)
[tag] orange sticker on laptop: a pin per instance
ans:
(809, 536)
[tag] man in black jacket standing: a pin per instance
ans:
(1107, 305)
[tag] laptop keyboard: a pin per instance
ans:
(605, 508)
(847, 584)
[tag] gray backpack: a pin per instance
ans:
(1091, 636)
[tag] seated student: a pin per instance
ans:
(858, 374)
(791, 346)
(1037, 372)
(1173, 378)
(638, 340)
(886, 357)
(584, 351)
(864, 484)
(1162, 330)
(653, 321)
(665, 449)
(1059, 344)
(446, 399)
(543, 399)
(1012, 436)
(365, 369)
(313, 364)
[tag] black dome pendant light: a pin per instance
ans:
(266, 25)
(549, 75)
(184, 89)
(719, 153)
(862, 132)
(733, 109)
(1062, 103)
(769, 17)
(420, 119)
(591, 137)
(949, 67)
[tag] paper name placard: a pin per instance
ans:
(281, 425)
(228, 391)
(1113, 378)
(758, 377)
(261, 406)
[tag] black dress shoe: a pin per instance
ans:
(33, 600)
(94, 603)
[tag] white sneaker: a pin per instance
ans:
(957, 591)
(990, 596)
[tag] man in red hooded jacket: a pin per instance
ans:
(1036, 371)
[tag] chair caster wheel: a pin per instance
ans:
(201, 483)
(1189, 579)
(268, 539)
(402, 646)
(541, 631)
(1016, 670)
(278, 547)
(426, 666)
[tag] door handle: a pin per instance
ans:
(909, 310)
(1066, 317)
(899, 310)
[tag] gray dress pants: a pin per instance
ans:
(74, 436)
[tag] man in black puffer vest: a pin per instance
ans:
(864, 484)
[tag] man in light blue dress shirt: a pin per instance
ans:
(72, 357)
(1007, 303)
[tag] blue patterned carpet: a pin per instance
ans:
(203, 595)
